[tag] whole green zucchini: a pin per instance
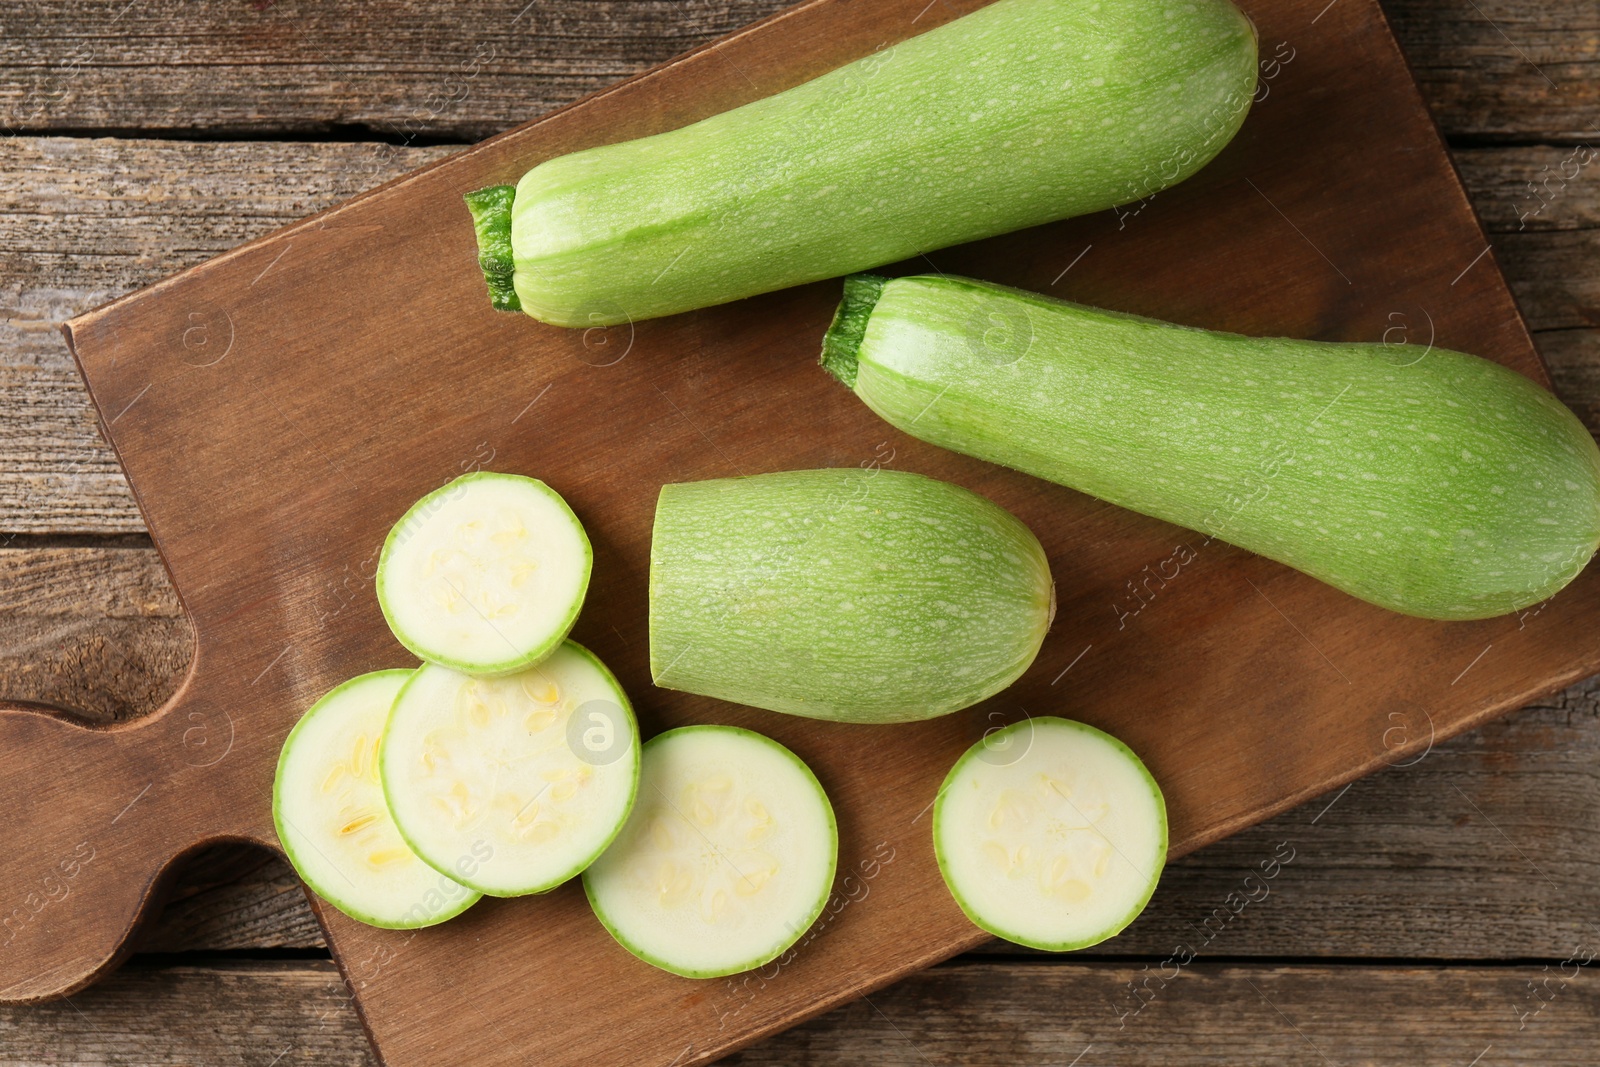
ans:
(869, 596)
(1022, 112)
(1439, 484)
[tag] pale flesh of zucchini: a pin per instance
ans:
(328, 805)
(486, 574)
(537, 768)
(1050, 834)
(727, 859)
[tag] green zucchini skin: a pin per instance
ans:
(491, 222)
(1439, 485)
(857, 595)
(1020, 113)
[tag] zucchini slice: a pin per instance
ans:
(327, 804)
(486, 574)
(1050, 834)
(532, 774)
(727, 859)
(869, 596)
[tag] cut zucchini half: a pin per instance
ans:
(1050, 834)
(327, 804)
(486, 574)
(532, 774)
(727, 859)
(856, 595)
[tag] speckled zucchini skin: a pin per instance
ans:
(1427, 481)
(1022, 112)
(857, 595)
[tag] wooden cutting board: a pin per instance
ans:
(277, 408)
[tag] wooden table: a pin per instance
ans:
(1436, 912)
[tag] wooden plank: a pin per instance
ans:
(83, 221)
(1553, 276)
(1518, 70)
(243, 1014)
(1574, 360)
(1541, 206)
(461, 70)
(465, 70)
(94, 630)
(230, 898)
(56, 473)
(99, 217)
(1208, 1015)
(238, 1013)
(1533, 188)
(259, 511)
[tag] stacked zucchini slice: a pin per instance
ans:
(506, 762)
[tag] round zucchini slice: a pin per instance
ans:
(1050, 834)
(327, 804)
(727, 859)
(485, 575)
(530, 775)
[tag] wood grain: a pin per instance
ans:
(465, 70)
(1219, 1015)
(232, 898)
(1567, 295)
(237, 1013)
(460, 70)
(95, 630)
(1574, 360)
(1518, 70)
(1533, 189)
(1420, 860)
(85, 221)
(243, 1014)
(272, 465)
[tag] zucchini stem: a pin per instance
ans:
(843, 340)
(491, 221)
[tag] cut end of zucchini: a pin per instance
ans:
(485, 575)
(328, 806)
(491, 220)
(727, 859)
(851, 594)
(512, 785)
(843, 339)
(1050, 834)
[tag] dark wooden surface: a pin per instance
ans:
(1415, 874)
